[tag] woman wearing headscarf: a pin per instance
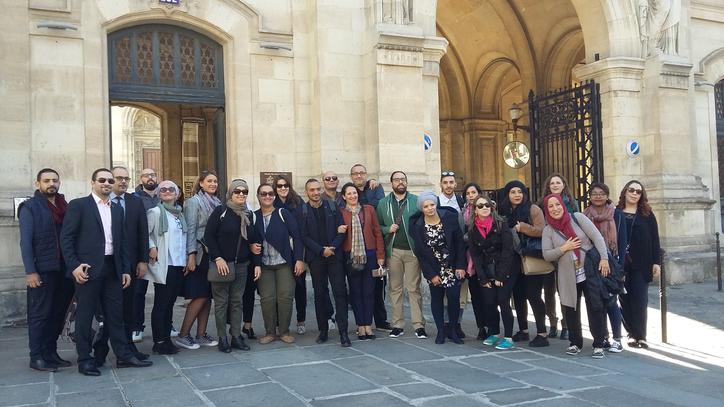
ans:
(229, 232)
(640, 250)
(364, 250)
(602, 213)
(440, 250)
(167, 259)
(568, 242)
(197, 210)
(527, 219)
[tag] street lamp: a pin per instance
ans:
(515, 114)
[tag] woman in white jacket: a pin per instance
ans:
(167, 242)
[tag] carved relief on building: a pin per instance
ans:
(659, 26)
(395, 11)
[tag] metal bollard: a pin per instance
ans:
(662, 298)
(718, 263)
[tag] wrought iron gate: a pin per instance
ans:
(566, 137)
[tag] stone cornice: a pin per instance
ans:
(620, 67)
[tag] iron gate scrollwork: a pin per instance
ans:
(566, 137)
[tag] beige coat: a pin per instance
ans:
(552, 242)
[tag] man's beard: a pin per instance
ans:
(401, 189)
(150, 185)
(50, 192)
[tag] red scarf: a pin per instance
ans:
(58, 210)
(563, 224)
(484, 225)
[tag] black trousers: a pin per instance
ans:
(326, 271)
(437, 293)
(129, 315)
(549, 296)
(596, 321)
(533, 292)
(520, 300)
(300, 296)
(497, 302)
(247, 299)
(163, 301)
(104, 290)
(476, 297)
(139, 304)
(47, 306)
(634, 304)
(380, 312)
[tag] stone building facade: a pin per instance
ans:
(247, 86)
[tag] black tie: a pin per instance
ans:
(118, 200)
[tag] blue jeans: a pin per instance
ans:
(615, 318)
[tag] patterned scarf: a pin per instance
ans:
(240, 209)
(175, 210)
(208, 202)
(359, 254)
(603, 219)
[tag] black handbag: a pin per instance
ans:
(213, 274)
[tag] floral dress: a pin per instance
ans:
(435, 239)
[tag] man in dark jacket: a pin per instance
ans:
(136, 232)
(146, 191)
(323, 239)
(49, 291)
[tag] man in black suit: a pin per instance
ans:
(136, 234)
(93, 246)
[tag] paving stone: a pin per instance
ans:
(496, 364)
(608, 396)
(375, 370)
(419, 390)
(459, 376)
(519, 354)
(469, 348)
(16, 371)
(395, 351)
(705, 383)
(201, 357)
(214, 377)
(161, 368)
(69, 380)
(318, 380)
(170, 389)
(365, 400)
(569, 367)
(628, 362)
(650, 388)
(550, 380)
(282, 357)
(514, 396)
(26, 394)
(455, 401)
(96, 399)
(265, 394)
(564, 401)
(333, 351)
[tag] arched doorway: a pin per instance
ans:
(498, 52)
(170, 78)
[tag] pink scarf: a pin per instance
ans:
(484, 225)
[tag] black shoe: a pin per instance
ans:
(396, 332)
(420, 333)
(440, 339)
(138, 354)
(165, 348)
(553, 332)
(224, 345)
(361, 336)
(521, 336)
(344, 339)
(55, 359)
(372, 336)
(323, 337)
(132, 362)
(249, 332)
(43, 365)
(459, 331)
(446, 330)
(606, 344)
(99, 355)
(539, 341)
(482, 334)
(385, 326)
(564, 334)
(238, 343)
(88, 368)
(457, 339)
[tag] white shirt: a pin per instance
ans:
(104, 208)
(451, 202)
(176, 242)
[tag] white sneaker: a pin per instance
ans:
(598, 353)
(301, 329)
(206, 340)
(616, 347)
(186, 342)
(174, 332)
(573, 350)
(332, 324)
(137, 336)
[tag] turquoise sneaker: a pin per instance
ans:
(491, 340)
(504, 344)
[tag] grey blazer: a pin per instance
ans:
(196, 222)
(552, 241)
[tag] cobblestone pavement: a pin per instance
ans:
(404, 371)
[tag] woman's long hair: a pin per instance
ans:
(565, 193)
(201, 178)
(497, 219)
(603, 187)
(293, 199)
(642, 206)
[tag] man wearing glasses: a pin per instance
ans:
(94, 250)
(146, 190)
(330, 193)
(394, 213)
(136, 233)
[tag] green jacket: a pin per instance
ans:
(386, 219)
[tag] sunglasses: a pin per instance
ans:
(240, 191)
(167, 189)
(267, 194)
(121, 179)
(328, 179)
(636, 191)
(448, 174)
(110, 181)
(483, 205)
(280, 186)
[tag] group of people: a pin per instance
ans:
(104, 249)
